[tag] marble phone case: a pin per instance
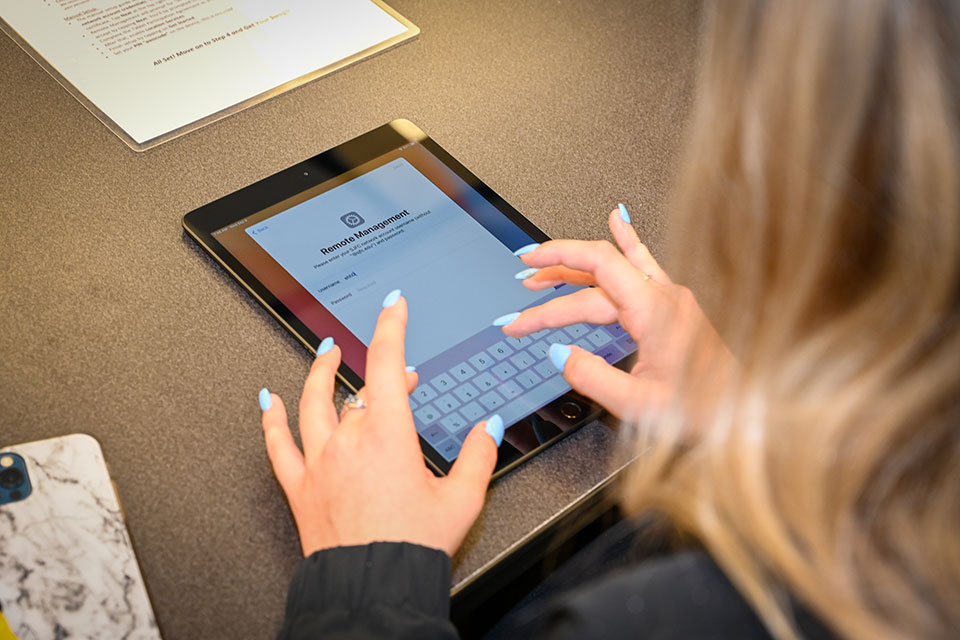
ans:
(67, 566)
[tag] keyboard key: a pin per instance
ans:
(528, 379)
(599, 337)
(427, 414)
(462, 371)
(559, 337)
(504, 370)
(434, 434)
(472, 411)
(413, 403)
(546, 369)
(443, 382)
(536, 335)
(491, 400)
(627, 343)
(466, 391)
(455, 422)
(616, 330)
(485, 381)
(481, 361)
(519, 343)
(463, 433)
(539, 350)
(448, 449)
(446, 403)
(611, 353)
(577, 330)
(523, 360)
(510, 390)
(536, 397)
(424, 393)
(500, 350)
(584, 344)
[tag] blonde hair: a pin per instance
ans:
(819, 207)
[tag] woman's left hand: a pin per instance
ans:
(361, 477)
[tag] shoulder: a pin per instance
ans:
(683, 595)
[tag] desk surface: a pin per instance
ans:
(115, 324)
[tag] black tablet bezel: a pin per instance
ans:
(202, 222)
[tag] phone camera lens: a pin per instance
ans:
(10, 478)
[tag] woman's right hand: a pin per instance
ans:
(629, 287)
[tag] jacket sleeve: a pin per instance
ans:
(684, 595)
(379, 590)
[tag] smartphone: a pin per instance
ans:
(67, 564)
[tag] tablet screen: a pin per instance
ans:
(392, 228)
(407, 220)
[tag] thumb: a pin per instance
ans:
(592, 376)
(471, 472)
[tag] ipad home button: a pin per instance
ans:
(571, 410)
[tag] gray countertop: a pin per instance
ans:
(116, 325)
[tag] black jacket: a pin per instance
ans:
(399, 590)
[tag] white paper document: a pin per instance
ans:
(158, 68)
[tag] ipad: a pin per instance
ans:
(321, 243)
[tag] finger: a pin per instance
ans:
(471, 472)
(285, 457)
(590, 375)
(633, 249)
(586, 305)
(411, 378)
(553, 276)
(318, 415)
(347, 410)
(622, 281)
(386, 377)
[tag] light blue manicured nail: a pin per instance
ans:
(495, 428)
(325, 345)
(559, 354)
(265, 399)
(410, 368)
(391, 298)
(623, 213)
(526, 273)
(526, 249)
(506, 319)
